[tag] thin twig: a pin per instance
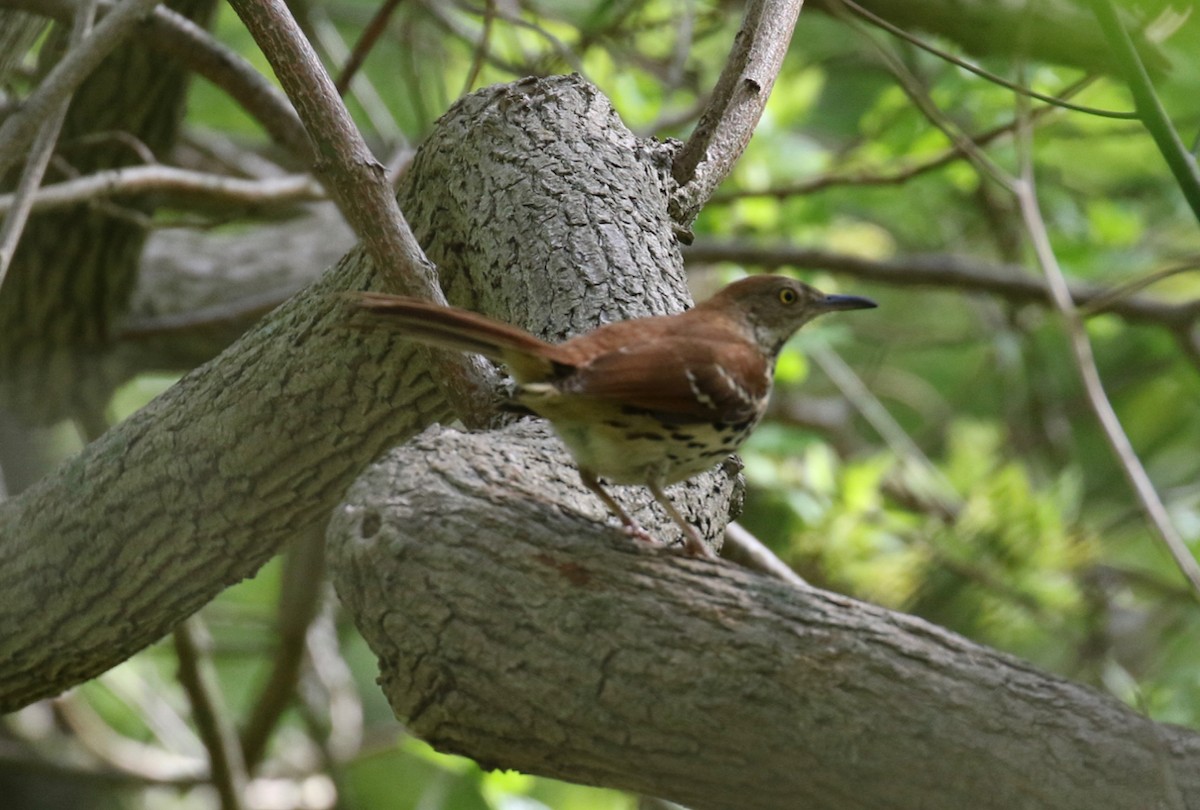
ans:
(1085, 363)
(1128, 288)
(366, 41)
(213, 722)
(226, 190)
(362, 89)
(146, 762)
(748, 551)
(560, 48)
(895, 177)
(971, 67)
(482, 49)
(299, 599)
(936, 488)
(342, 735)
(180, 39)
(359, 184)
(19, 129)
(916, 91)
(443, 16)
(43, 149)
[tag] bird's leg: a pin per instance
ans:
(692, 544)
(632, 527)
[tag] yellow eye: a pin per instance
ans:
(788, 296)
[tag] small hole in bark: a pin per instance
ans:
(371, 523)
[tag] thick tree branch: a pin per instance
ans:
(359, 184)
(512, 631)
(558, 221)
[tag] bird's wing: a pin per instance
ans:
(691, 380)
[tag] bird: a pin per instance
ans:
(650, 401)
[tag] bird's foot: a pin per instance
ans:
(693, 546)
(635, 530)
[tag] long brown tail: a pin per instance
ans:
(527, 357)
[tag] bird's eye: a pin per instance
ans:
(788, 296)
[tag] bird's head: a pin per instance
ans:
(774, 307)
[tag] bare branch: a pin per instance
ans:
(19, 129)
(232, 191)
(736, 104)
(299, 600)
(39, 157)
(483, 48)
(1180, 160)
(198, 678)
(366, 41)
(897, 31)
(878, 177)
(916, 91)
(1085, 362)
(359, 184)
(177, 37)
(748, 551)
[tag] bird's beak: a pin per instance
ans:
(833, 303)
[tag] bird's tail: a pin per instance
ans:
(527, 357)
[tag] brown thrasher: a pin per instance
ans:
(648, 401)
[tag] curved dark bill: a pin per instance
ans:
(833, 302)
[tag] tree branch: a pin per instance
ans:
(19, 129)
(1181, 161)
(359, 184)
(736, 104)
(198, 489)
(178, 38)
(22, 202)
(199, 680)
(1085, 363)
(221, 189)
(512, 632)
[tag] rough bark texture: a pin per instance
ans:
(511, 626)
(534, 196)
(541, 208)
(514, 632)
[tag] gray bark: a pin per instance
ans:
(515, 632)
(510, 623)
(534, 199)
